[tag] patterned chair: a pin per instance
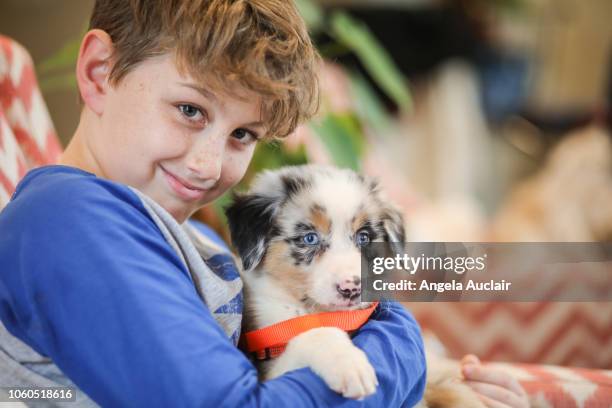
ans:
(542, 336)
(27, 137)
(526, 332)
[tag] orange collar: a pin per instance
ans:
(269, 342)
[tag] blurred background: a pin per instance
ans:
(483, 119)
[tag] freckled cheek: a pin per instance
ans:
(169, 141)
(160, 132)
(234, 168)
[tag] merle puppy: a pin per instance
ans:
(299, 232)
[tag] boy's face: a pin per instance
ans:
(176, 141)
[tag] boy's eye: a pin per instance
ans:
(244, 136)
(190, 111)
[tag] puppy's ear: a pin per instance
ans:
(393, 223)
(250, 218)
(392, 219)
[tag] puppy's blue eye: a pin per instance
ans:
(312, 238)
(363, 238)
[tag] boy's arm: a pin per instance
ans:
(393, 343)
(117, 312)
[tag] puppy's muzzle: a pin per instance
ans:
(350, 288)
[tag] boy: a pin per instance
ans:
(104, 285)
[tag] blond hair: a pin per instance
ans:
(258, 45)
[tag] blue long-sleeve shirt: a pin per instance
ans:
(88, 279)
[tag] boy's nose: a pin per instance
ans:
(207, 172)
(206, 165)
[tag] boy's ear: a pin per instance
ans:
(93, 68)
(250, 218)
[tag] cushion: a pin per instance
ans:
(27, 137)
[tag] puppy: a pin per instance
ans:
(299, 232)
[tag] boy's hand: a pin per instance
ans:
(495, 388)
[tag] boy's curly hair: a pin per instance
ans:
(259, 45)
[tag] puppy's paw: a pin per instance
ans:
(330, 353)
(347, 371)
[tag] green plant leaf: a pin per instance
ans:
(372, 55)
(65, 58)
(343, 138)
(273, 155)
(368, 105)
(311, 13)
(58, 82)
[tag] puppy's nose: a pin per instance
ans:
(350, 288)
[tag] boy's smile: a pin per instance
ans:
(168, 136)
(183, 188)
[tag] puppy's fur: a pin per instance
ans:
(298, 232)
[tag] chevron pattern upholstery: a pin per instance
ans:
(565, 333)
(559, 387)
(27, 137)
